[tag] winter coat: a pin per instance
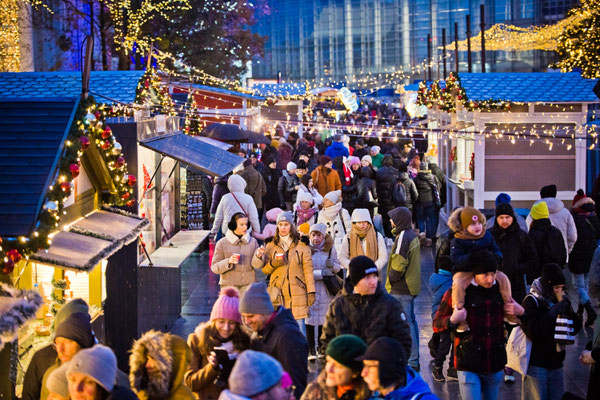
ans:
(548, 243)
(318, 390)
(368, 317)
(404, 266)
(520, 220)
(387, 177)
(539, 324)
(271, 177)
(424, 183)
(439, 283)
(326, 180)
(588, 233)
(518, 256)
(337, 225)
(562, 219)
(382, 253)
(281, 339)
(415, 388)
(172, 356)
(412, 195)
(201, 377)
(241, 274)
(287, 188)
(285, 151)
(121, 393)
(360, 153)
(320, 260)
(293, 276)
(441, 177)
(377, 160)
(366, 192)
(219, 190)
(228, 206)
(337, 149)
(594, 381)
(255, 185)
(42, 359)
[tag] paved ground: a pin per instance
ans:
(200, 290)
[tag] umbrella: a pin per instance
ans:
(225, 132)
(257, 138)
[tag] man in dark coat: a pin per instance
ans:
(365, 309)
(412, 195)
(387, 177)
(271, 177)
(518, 254)
(255, 184)
(360, 150)
(547, 239)
(441, 177)
(426, 210)
(276, 333)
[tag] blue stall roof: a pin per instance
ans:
(226, 91)
(32, 136)
(118, 85)
(529, 87)
(279, 89)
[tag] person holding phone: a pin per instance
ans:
(233, 255)
(288, 262)
(215, 346)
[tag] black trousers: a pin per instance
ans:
(313, 343)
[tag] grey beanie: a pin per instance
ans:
(57, 381)
(256, 300)
(72, 307)
(286, 216)
(254, 372)
(98, 362)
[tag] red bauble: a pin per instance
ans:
(125, 196)
(85, 142)
(9, 265)
(120, 162)
(97, 114)
(106, 133)
(130, 203)
(131, 180)
(105, 145)
(74, 170)
(14, 255)
(459, 97)
(66, 187)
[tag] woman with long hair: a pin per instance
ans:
(288, 262)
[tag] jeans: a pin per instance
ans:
(408, 304)
(475, 386)
(302, 325)
(543, 384)
(580, 283)
(427, 219)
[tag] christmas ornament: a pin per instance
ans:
(125, 179)
(9, 265)
(74, 170)
(51, 205)
(106, 133)
(66, 187)
(97, 114)
(131, 180)
(125, 196)
(120, 162)
(90, 117)
(130, 203)
(105, 145)
(85, 142)
(117, 148)
(14, 255)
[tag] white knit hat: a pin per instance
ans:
(291, 166)
(304, 196)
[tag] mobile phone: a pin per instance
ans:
(222, 356)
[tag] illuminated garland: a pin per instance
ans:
(443, 98)
(89, 126)
(192, 117)
(151, 93)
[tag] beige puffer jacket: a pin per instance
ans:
(238, 275)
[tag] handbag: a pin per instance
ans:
(333, 284)
(518, 349)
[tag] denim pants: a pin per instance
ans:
(408, 304)
(427, 219)
(475, 386)
(302, 325)
(543, 384)
(580, 283)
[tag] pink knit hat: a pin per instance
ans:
(227, 305)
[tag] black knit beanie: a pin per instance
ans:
(78, 328)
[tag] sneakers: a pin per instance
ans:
(452, 375)
(508, 375)
(438, 375)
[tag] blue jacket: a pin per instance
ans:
(439, 283)
(415, 387)
(337, 149)
(462, 249)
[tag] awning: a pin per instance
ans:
(194, 152)
(174, 253)
(91, 240)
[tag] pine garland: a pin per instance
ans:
(59, 284)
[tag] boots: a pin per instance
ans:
(580, 311)
(591, 314)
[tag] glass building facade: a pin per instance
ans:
(343, 40)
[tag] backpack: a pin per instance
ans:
(399, 193)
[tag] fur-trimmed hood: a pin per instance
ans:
(234, 239)
(172, 356)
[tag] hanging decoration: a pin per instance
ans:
(150, 92)
(191, 124)
(88, 126)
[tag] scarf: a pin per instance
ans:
(304, 215)
(285, 242)
(331, 213)
(341, 390)
(464, 234)
(347, 175)
(356, 238)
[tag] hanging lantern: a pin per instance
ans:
(117, 148)
(74, 170)
(85, 142)
(120, 162)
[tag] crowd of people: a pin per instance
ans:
(317, 245)
(372, 113)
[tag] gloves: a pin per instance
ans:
(330, 263)
(312, 297)
(327, 272)
(458, 316)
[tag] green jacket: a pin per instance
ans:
(404, 265)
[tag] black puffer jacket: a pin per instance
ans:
(518, 256)
(368, 317)
(281, 339)
(387, 177)
(412, 195)
(271, 177)
(588, 233)
(366, 184)
(441, 177)
(549, 245)
(424, 182)
(442, 255)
